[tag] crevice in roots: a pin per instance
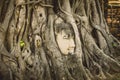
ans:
(95, 36)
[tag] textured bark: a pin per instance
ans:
(28, 47)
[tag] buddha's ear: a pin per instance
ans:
(56, 33)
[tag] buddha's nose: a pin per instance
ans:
(72, 43)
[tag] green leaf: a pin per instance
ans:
(22, 43)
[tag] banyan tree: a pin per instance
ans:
(29, 49)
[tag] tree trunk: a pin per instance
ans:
(28, 47)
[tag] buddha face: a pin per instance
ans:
(65, 41)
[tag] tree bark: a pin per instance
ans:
(28, 47)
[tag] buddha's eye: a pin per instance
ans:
(66, 37)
